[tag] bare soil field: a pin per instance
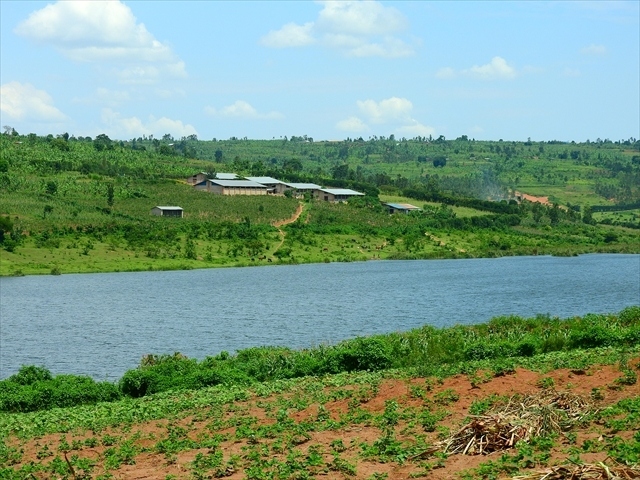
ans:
(394, 428)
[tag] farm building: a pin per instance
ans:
(336, 194)
(299, 189)
(202, 176)
(197, 178)
(234, 187)
(167, 211)
(401, 207)
(274, 186)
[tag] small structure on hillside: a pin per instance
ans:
(401, 208)
(168, 211)
(336, 194)
(197, 178)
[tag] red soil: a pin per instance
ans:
(153, 465)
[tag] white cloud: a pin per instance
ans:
(385, 111)
(352, 124)
(446, 73)
(360, 18)
(25, 102)
(242, 109)
(393, 112)
(363, 28)
(290, 35)
(98, 32)
(416, 129)
(594, 50)
(116, 96)
(497, 69)
(131, 127)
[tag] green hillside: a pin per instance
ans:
(83, 205)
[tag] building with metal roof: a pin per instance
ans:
(163, 211)
(336, 194)
(273, 185)
(401, 207)
(235, 187)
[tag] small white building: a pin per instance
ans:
(336, 194)
(168, 211)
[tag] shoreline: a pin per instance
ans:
(186, 265)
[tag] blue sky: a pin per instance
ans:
(329, 70)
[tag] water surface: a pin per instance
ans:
(102, 324)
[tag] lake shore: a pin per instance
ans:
(104, 258)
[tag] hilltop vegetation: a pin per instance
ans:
(82, 205)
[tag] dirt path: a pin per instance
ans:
(292, 219)
(287, 221)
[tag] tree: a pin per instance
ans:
(102, 142)
(51, 187)
(340, 172)
(218, 155)
(6, 227)
(110, 194)
(292, 165)
(439, 161)
(61, 144)
(587, 216)
(554, 214)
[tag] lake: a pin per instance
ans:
(102, 324)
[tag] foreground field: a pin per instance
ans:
(567, 410)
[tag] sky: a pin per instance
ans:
(326, 69)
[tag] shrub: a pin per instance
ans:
(364, 354)
(593, 336)
(33, 388)
(29, 374)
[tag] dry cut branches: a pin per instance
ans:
(519, 420)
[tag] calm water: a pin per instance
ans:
(102, 324)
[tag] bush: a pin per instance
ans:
(364, 354)
(593, 336)
(29, 374)
(34, 388)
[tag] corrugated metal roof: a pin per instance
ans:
(341, 191)
(402, 206)
(169, 208)
(237, 183)
(303, 186)
(264, 179)
(225, 176)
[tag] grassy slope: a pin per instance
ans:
(74, 229)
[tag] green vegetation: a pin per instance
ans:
(83, 205)
(501, 343)
(331, 425)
